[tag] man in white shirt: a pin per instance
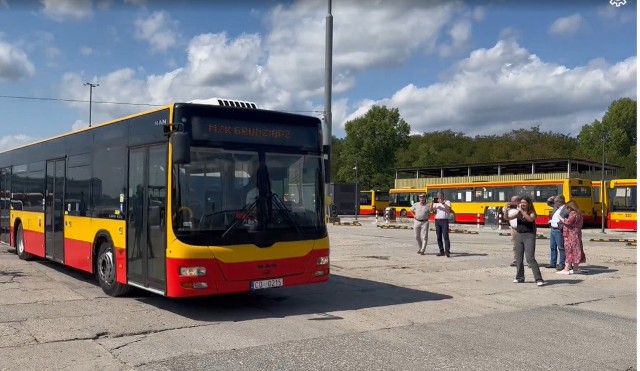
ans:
(556, 240)
(442, 207)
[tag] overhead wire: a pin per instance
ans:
(78, 100)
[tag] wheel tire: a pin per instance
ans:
(106, 271)
(403, 213)
(20, 245)
(334, 211)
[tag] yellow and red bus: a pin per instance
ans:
(622, 204)
(471, 201)
(402, 199)
(160, 200)
(599, 202)
(373, 202)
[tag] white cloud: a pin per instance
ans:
(213, 59)
(135, 2)
(617, 14)
(493, 90)
(86, 50)
(12, 141)
(567, 26)
(158, 30)
(366, 35)
(505, 87)
(14, 63)
(61, 10)
(460, 34)
(79, 124)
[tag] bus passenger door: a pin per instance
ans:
(5, 203)
(146, 237)
(54, 204)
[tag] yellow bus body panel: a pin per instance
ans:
(82, 228)
(245, 253)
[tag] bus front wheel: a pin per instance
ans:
(106, 271)
(403, 213)
(20, 245)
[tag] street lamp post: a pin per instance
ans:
(91, 86)
(602, 185)
(356, 192)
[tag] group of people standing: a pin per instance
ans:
(567, 252)
(422, 210)
(566, 249)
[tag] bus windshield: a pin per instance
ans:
(238, 197)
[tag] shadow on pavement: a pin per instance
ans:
(555, 281)
(590, 270)
(462, 254)
(338, 294)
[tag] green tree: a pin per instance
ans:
(371, 141)
(618, 129)
(336, 157)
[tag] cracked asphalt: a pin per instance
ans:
(385, 308)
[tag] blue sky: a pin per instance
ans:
(477, 67)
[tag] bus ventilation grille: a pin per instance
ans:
(236, 103)
(225, 102)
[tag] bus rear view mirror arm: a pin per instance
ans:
(181, 147)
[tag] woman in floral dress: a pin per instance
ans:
(572, 233)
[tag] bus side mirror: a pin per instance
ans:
(181, 148)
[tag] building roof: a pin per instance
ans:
(534, 166)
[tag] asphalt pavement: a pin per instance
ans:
(384, 308)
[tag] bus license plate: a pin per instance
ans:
(267, 284)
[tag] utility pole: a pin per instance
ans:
(603, 189)
(91, 86)
(357, 192)
(326, 138)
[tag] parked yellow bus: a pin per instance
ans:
(622, 206)
(599, 202)
(373, 202)
(402, 199)
(472, 201)
(160, 200)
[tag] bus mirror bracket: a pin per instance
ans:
(181, 147)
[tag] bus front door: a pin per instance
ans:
(54, 204)
(146, 237)
(5, 204)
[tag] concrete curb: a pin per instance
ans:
(355, 224)
(613, 240)
(393, 226)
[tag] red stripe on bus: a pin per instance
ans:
(121, 264)
(77, 254)
(623, 224)
(34, 243)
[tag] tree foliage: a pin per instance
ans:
(370, 144)
(380, 142)
(618, 132)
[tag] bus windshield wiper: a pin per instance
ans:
(247, 210)
(279, 204)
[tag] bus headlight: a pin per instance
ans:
(193, 271)
(323, 260)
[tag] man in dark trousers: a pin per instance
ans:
(442, 207)
(556, 240)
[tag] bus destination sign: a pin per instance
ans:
(229, 131)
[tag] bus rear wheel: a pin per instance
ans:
(20, 244)
(106, 271)
(403, 213)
